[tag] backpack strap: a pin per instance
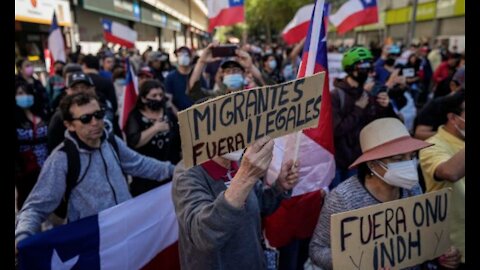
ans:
(73, 173)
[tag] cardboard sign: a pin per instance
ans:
(234, 121)
(396, 234)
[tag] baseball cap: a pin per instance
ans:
(145, 71)
(185, 49)
(79, 77)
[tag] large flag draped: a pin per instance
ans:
(130, 94)
(296, 218)
(56, 44)
(141, 233)
(224, 12)
(355, 13)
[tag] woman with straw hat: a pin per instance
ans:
(387, 171)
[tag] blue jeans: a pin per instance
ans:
(340, 176)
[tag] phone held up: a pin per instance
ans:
(224, 50)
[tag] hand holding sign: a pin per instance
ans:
(288, 177)
(256, 159)
(451, 258)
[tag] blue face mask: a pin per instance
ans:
(24, 101)
(288, 72)
(272, 64)
(233, 81)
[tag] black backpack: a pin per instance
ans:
(73, 171)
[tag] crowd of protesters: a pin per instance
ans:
(80, 105)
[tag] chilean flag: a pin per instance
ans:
(56, 45)
(355, 13)
(141, 233)
(297, 217)
(130, 95)
(297, 28)
(224, 12)
(118, 33)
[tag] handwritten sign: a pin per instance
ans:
(396, 234)
(234, 121)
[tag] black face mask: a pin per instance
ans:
(362, 76)
(155, 105)
(59, 72)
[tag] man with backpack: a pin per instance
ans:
(97, 180)
(76, 82)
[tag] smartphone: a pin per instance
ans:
(224, 51)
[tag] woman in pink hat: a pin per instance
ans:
(387, 171)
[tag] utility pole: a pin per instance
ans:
(411, 31)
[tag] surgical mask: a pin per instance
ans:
(24, 101)
(28, 71)
(233, 81)
(272, 64)
(402, 174)
(269, 51)
(462, 131)
(234, 156)
(183, 60)
(288, 72)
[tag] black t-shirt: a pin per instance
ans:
(164, 146)
(431, 114)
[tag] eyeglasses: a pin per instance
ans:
(87, 118)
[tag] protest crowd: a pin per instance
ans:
(105, 130)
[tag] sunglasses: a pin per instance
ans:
(87, 118)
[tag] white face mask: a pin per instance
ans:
(184, 60)
(402, 174)
(234, 156)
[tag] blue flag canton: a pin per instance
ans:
(54, 25)
(368, 3)
(75, 245)
(107, 25)
(235, 3)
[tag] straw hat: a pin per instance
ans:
(386, 137)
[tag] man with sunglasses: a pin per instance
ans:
(101, 183)
(77, 82)
(353, 108)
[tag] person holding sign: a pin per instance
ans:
(387, 171)
(219, 206)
